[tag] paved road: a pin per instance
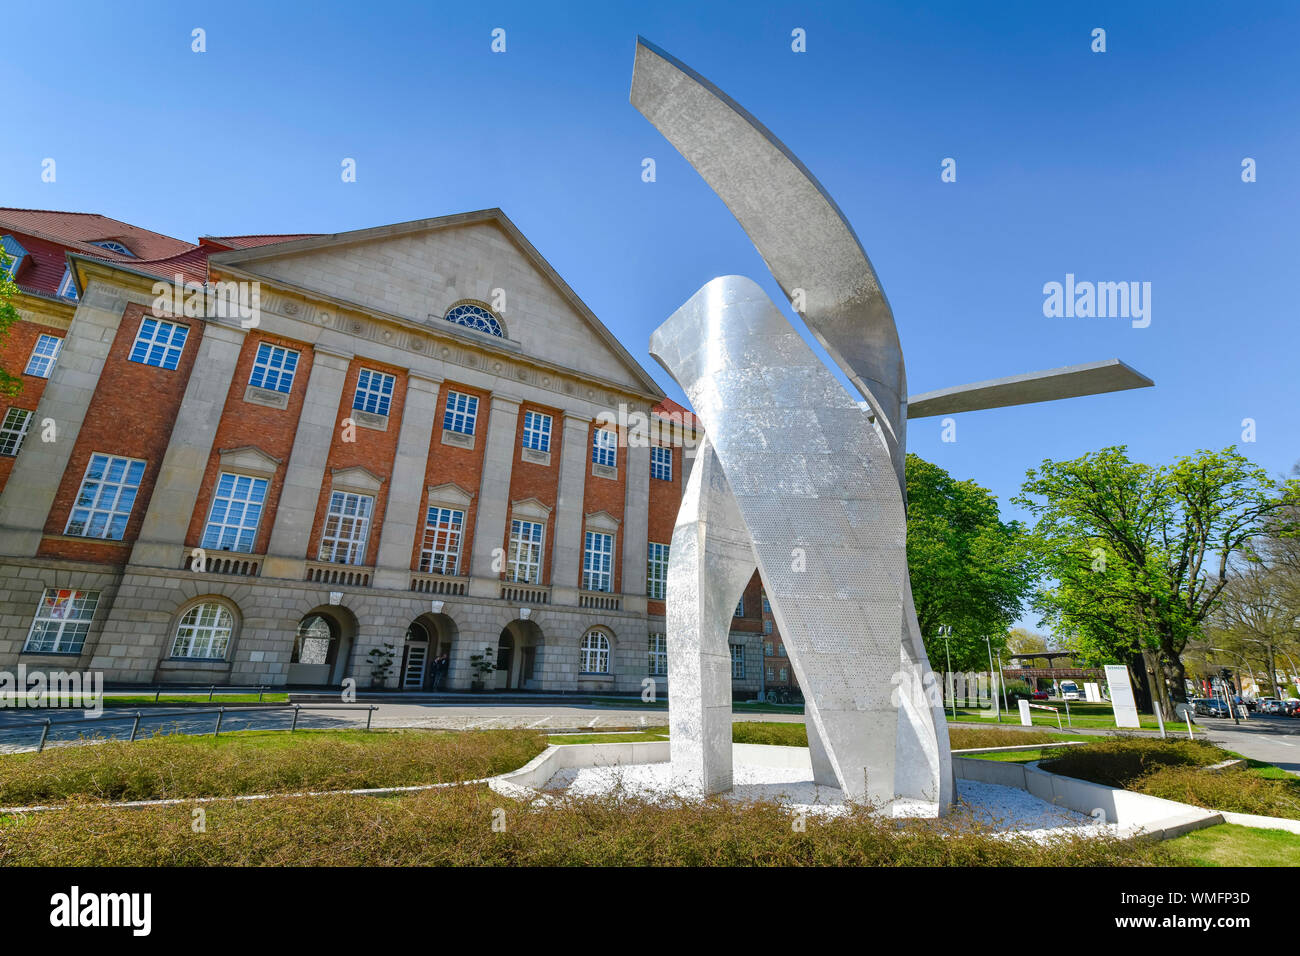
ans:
(1272, 739)
(425, 715)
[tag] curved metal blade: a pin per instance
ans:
(806, 242)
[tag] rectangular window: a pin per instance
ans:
(374, 392)
(273, 368)
(604, 447)
(13, 430)
(62, 619)
(785, 675)
(107, 494)
(443, 530)
(661, 463)
(159, 343)
(780, 649)
(767, 625)
(41, 364)
(767, 649)
(657, 571)
(770, 673)
(767, 608)
(598, 562)
(235, 513)
(525, 558)
(658, 655)
(537, 431)
(740, 608)
(347, 527)
(737, 662)
(461, 413)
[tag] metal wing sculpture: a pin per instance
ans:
(799, 469)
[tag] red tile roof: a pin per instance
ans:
(677, 412)
(89, 227)
(248, 242)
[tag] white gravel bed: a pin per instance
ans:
(1005, 810)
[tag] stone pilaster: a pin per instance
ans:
(402, 520)
(29, 494)
(172, 504)
(494, 495)
(566, 533)
(296, 509)
(636, 522)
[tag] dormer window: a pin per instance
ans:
(112, 246)
(67, 288)
(13, 256)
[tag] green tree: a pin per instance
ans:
(969, 569)
(1139, 556)
(10, 384)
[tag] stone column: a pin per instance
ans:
(296, 510)
(636, 523)
(494, 495)
(566, 531)
(171, 506)
(29, 494)
(402, 520)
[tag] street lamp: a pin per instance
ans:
(945, 631)
(989, 642)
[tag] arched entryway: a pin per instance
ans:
(426, 653)
(518, 651)
(322, 646)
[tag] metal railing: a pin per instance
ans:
(135, 718)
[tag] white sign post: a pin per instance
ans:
(1025, 718)
(1121, 696)
(1092, 692)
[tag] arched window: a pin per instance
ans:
(595, 653)
(474, 317)
(314, 642)
(204, 632)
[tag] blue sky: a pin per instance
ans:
(1115, 166)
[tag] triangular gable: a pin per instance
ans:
(417, 270)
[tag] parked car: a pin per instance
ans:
(1040, 695)
(1070, 691)
(1271, 705)
(1211, 707)
(1292, 707)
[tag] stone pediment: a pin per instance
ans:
(419, 270)
(530, 509)
(358, 480)
(248, 460)
(601, 521)
(449, 495)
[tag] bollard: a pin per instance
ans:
(45, 732)
(221, 712)
(297, 709)
(260, 688)
(369, 714)
(135, 726)
(157, 694)
(211, 690)
(1188, 717)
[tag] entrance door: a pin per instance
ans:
(417, 656)
(527, 664)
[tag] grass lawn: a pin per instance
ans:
(650, 733)
(1082, 714)
(455, 827)
(1228, 845)
(248, 762)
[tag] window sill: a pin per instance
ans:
(370, 420)
(604, 471)
(61, 654)
(193, 663)
(534, 456)
(457, 439)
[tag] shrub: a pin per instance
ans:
(455, 827)
(1121, 761)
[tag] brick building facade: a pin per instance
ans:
(413, 442)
